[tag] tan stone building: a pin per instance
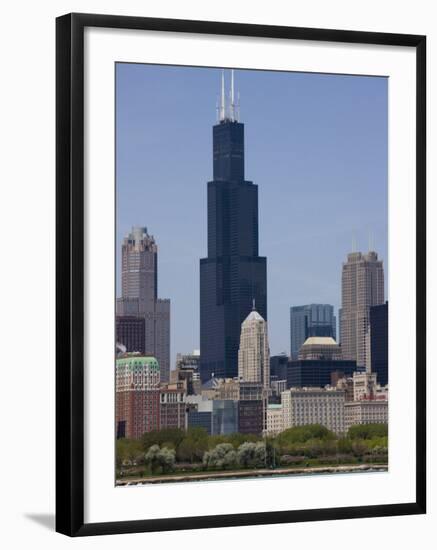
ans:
(254, 355)
(366, 411)
(275, 423)
(325, 406)
(362, 287)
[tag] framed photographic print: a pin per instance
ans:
(240, 274)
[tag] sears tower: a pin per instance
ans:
(233, 276)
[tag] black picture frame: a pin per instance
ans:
(70, 273)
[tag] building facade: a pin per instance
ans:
(378, 336)
(310, 320)
(137, 406)
(317, 372)
(320, 347)
(253, 353)
(173, 408)
(233, 274)
(275, 424)
(366, 411)
(139, 286)
(130, 332)
(302, 406)
(362, 287)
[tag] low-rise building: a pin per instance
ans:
(366, 411)
(325, 406)
(275, 423)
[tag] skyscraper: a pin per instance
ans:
(139, 286)
(233, 274)
(378, 334)
(362, 287)
(254, 355)
(310, 320)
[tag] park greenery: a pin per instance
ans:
(170, 451)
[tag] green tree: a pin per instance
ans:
(368, 431)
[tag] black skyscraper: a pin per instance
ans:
(233, 275)
(379, 342)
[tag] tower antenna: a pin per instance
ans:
(222, 102)
(232, 96)
(354, 242)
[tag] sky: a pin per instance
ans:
(316, 146)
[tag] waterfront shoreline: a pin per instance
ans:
(240, 474)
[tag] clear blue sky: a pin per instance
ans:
(316, 146)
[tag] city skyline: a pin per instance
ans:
(293, 278)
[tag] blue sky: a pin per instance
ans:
(316, 146)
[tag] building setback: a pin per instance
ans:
(362, 286)
(136, 395)
(310, 320)
(139, 284)
(233, 274)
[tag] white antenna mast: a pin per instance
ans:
(232, 96)
(222, 103)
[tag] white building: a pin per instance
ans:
(366, 411)
(253, 355)
(274, 420)
(325, 406)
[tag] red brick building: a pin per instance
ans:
(137, 394)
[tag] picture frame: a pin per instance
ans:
(71, 286)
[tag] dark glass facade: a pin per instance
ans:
(130, 331)
(379, 342)
(279, 367)
(317, 372)
(233, 275)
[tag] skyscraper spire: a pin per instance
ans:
(222, 100)
(232, 96)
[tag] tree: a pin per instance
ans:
(151, 457)
(193, 445)
(222, 456)
(166, 459)
(302, 434)
(246, 453)
(160, 458)
(368, 431)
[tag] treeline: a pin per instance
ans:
(168, 450)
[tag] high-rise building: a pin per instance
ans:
(378, 342)
(253, 354)
(362, 287)
(136, 395)
(139, 286)
(233, 274)
(310, 320)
